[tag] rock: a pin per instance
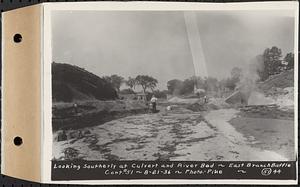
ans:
(85, 132)
(91, 140)
(61, 136)
(196, 107)
(75, 134)
(71, 153)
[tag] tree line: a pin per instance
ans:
(269, 63)
(273, 63)
(145, 81)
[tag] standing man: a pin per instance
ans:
(75, 107)
(205, 99)
(153, 103)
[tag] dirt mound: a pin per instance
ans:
(286, 99)
(282, 80)
(282, 97)
(196, 107)
(275, 90)
(218, 103)
(72, 83)
(257, 98)
(215, 104)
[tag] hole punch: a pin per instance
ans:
(18, 141)
(17, 38)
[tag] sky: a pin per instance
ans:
(167, 44)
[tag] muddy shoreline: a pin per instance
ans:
(180, 134)
(92, 119)
(92, 113)
(271, 134)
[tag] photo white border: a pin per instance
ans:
(147, 6)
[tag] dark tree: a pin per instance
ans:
(211, 84)
(127, 91)
(115, 80)
(160, 94)
(272, 62)
(146, 81)
(289, 59)
(230, 83)
(199, 82)
(174, 86)
(187, 86)
(131, 82)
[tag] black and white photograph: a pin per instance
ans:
(198, 85)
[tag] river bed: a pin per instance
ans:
(183, 135)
